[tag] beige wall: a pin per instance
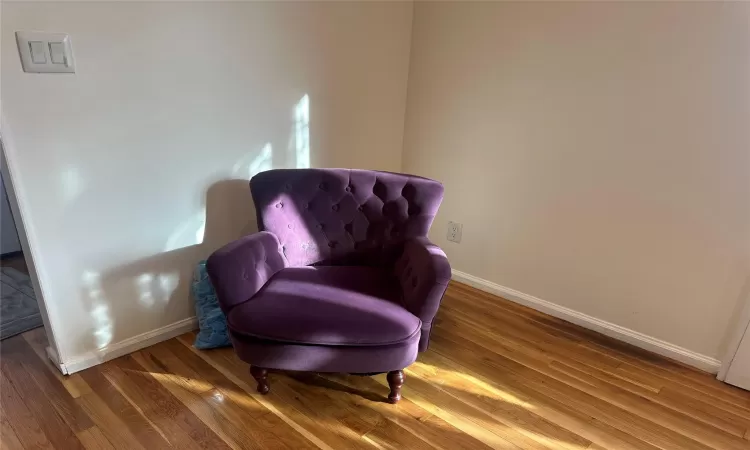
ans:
(597, 154)
(136, 167)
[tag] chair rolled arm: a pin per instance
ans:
(240, 269)
(424, 273)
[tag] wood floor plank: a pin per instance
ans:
(554, 411)
(509, 410)
(243, 409)
(366, 398)
(605, 346)
(648, 406)
(107, 406)
(183, 392)
(180, 426)
(695, 391)
(74, 384)
(698, 384)
(221, 407)
(544, 334)
(8, 438)
(323, 416)
(94, 439)
(704, 409)
(115, 428)
(573, 393)
(286, 404)
(657, 424)
(21, 420)
(467, 419)
(497, 375)
(30, 431)
(19, 352)
(668, 397)
(408, 415)
(527, 336)
(38, 404)
(341, 406)
(390, 436)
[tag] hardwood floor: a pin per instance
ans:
(497, 375)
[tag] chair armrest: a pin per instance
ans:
(239, 269)
(424, 273)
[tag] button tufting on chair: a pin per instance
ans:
(335, 207)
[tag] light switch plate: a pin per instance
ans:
(63, 58)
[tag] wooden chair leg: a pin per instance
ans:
(261, 376)
(395, 381)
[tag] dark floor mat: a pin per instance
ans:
(19, 310)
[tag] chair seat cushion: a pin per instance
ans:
(327, 305)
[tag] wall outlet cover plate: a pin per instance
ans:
(455, 230)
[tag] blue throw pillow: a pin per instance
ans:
(211, 321)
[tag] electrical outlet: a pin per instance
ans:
(454, 231)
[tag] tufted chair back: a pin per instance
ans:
(343, 216)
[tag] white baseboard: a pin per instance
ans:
(52, 355)
(641, 340)
(129, 345)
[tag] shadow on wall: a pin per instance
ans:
(149, 289)
(159, 285)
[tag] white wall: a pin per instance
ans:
(118, 166)
(596, 153)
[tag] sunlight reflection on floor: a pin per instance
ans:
(189, 384)
(448, 377)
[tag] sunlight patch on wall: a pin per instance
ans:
(302, 133)
(262, 162)
(156, 288)
(98, 308)
(143, 286)
(190, 232)
(167, 283)
(72, 184)
(253, 164)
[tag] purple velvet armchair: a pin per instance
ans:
(341, 277)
